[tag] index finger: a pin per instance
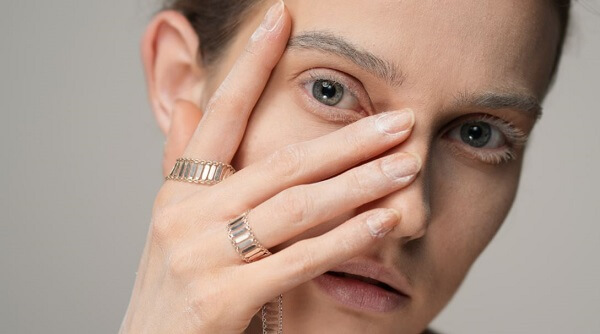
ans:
(220, 131)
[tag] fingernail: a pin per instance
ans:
(382, 222)
(396, 122)
(270, 22)
(401, 167)
(273, 16)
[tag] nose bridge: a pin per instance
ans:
(413, 202)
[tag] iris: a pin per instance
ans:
(476, 134)
(328, 92)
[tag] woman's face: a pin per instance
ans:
(472, 72)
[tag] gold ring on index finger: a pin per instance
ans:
(200, 171)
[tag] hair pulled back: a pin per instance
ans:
(217, 21)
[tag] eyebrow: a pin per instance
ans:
(525, 103)
(333, 44)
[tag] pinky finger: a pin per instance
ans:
(309, 258)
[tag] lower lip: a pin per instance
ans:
(360, 295)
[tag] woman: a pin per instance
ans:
(378, 147)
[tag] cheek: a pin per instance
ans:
(468, 207)
(277, 121)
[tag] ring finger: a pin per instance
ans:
(313, 160)
(300, 208)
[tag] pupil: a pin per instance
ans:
(328, 92)
(477, 134)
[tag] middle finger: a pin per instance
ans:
(300, 208)
(313, 160)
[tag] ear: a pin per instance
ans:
(173, 73)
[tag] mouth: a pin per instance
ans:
(361, 293)
(364, 279)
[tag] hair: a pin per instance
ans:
(217, 21)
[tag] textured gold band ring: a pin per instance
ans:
(200, 171)
(244, 241)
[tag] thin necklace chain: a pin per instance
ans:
(267, 312)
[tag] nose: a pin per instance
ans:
(415, 209)
(413, 202)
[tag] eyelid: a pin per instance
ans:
(514, 135)
(515, 138)
(351, 84)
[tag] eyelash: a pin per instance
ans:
(515, 138)
(331, 113)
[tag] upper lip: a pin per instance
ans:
(377, 271)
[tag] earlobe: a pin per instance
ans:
(171, 65)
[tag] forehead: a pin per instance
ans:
(493, 44)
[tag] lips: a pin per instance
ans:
(365, 286)
(367, 280)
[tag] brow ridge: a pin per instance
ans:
(330, 43)
(526, 103)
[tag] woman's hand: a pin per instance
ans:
(190, 278)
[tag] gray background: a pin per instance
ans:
(81, 164)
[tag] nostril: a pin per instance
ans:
(418, 232)
(413, 225)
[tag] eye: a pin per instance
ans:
(328, 92)
(333, 95)
(486, 138)
(481, 134)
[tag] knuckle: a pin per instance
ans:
(256, 58)
(306, 265)
(356, 180)
(206, 309)
(210, 301)
(249, 55)
(163, 199)
(164, 224)
(206, 303)
(287, 162)
(348, 244)
(359, 182)
(296, 204)
(161, 231)
(357, 143)
(179, 264)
